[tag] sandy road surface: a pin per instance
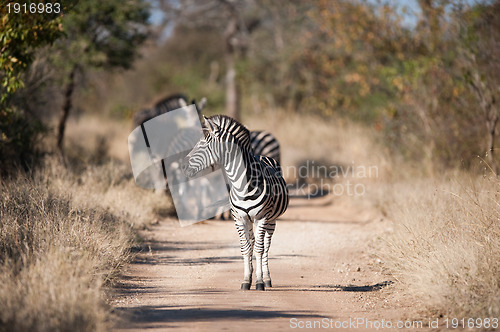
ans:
(188, 278)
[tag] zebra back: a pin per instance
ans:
(170, 103)
(165, 105)
(265, 144)
(143, 116)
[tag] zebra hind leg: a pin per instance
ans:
(245, 231)
(265, 257)
(261, 248)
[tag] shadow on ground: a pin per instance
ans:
(165, 253)
(157, 316)
(333, 288)
(351, 288)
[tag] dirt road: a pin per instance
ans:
(322, 268)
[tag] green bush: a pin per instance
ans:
(19, 137)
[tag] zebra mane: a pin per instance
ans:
(233, 127)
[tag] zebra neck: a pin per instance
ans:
(243, 172)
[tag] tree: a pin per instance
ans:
(228, 16)
(481, 40)
(99, 34)
(21, 36)
(348, 49)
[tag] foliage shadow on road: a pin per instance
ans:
(334, 288)
(173, 260)
(353, 288)
(162, 314)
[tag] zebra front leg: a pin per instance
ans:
(265, 258)
(259, 254)
(245, 231)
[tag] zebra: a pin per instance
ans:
(258, 193)
(170, 103)
(165, 105)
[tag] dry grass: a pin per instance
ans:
(333, 140)
(445, 245)
(327, 144)
(93, 140)
(65, 234)
(445, 249)
(55, 256)
(97, 149)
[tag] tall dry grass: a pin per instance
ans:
(334, 140)
(65, 235)
(445, 248)
(55, 258)
(326, 145)
(97, 153)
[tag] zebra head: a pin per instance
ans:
(204, 153)
(222, 142)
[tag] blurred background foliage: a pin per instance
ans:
(426, 76)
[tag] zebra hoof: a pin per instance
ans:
(245, 286)
(267, 283)
(259, 286)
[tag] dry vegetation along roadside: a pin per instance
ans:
(64, 238)
(67, 232)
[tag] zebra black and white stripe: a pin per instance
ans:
(258, 193)
(170, 103)
(165, 105)
(265, 144)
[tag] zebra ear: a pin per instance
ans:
(202, 104)
(206, 125)
(211, 126)
(205, 122)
